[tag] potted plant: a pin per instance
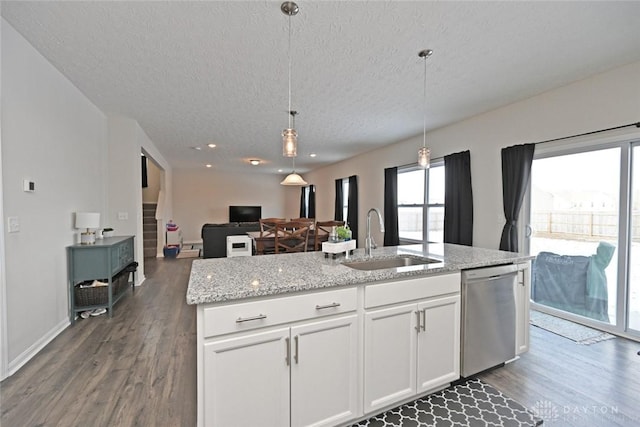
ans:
(107, 232)
(343, 233)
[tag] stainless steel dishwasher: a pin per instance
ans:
(488, 317)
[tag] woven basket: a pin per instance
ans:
(120, 282)
(91, 296)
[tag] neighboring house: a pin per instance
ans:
(80, 158)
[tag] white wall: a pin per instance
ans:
(52, 135)
(80, 160)
(204, 195)
(126, 141)
(602, 101)
(150, 193)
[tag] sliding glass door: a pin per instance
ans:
(574, 221)
(634, 244)
(584, 219)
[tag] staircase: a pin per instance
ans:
(150, 230)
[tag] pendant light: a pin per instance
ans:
(293, 178)
(289, 135)
(424, 154)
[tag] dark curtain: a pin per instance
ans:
(391, 233)
(352, 207)
(312, 202)
(303, 204)
(458, 199)
(145, 184)
(338, 215)
(308, 202)
(516, 171)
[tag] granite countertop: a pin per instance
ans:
(229, 279)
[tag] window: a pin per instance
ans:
(421, 203)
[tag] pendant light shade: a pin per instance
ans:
(424, 154)
(424, 157)
(290, 138)
(289, 135)
(293, 178)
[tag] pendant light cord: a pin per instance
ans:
(289, 71)
(424, 96)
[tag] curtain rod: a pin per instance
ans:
(637, 124)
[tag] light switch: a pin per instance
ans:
(14, 224)
(28, 186)
(123, 215)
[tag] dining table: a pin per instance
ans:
(265, 241)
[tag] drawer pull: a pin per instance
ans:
(248, 319)
(332, 305)
(287, 351)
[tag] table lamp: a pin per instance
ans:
(87, 220)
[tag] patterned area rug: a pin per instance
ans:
(472, 404)
(575, 332)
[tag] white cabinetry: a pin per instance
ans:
(523, 297)
(410, 347)
(301, 373)
(324, 372)
(247, 380)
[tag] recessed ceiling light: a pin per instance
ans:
(254, 162)
(196, 148)
(208, 165)
(280, 170)
(312, 155)
(211, 145)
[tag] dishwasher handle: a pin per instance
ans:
(488, 272)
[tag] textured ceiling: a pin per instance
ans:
(193, 73)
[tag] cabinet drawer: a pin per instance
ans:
(274, 311)
(412, 289)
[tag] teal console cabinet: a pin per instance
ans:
(102, 260)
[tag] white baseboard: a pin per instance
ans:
(140, 279)
(29, 353)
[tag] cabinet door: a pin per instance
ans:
(438, 360)
(523, 293)
(389, 356)
(246, 380)
(324, 372)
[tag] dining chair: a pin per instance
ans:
(268, 226)
(291, 237)
(323, 228)
(268, 229)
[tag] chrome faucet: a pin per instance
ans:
(369, 242)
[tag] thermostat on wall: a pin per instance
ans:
(28, 186)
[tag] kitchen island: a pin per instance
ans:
(300, 339)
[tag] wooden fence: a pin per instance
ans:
(586, 225)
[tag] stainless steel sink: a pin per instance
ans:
(395, 262)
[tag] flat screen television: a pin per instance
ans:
(245, 213)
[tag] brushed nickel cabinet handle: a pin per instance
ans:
(296, 357)
(418, 320)
(248, 319)
(287, 351)
(424, 319)
(332, 305)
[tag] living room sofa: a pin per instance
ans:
(214, 236)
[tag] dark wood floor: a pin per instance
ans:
(139, 369)
(135, 369)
